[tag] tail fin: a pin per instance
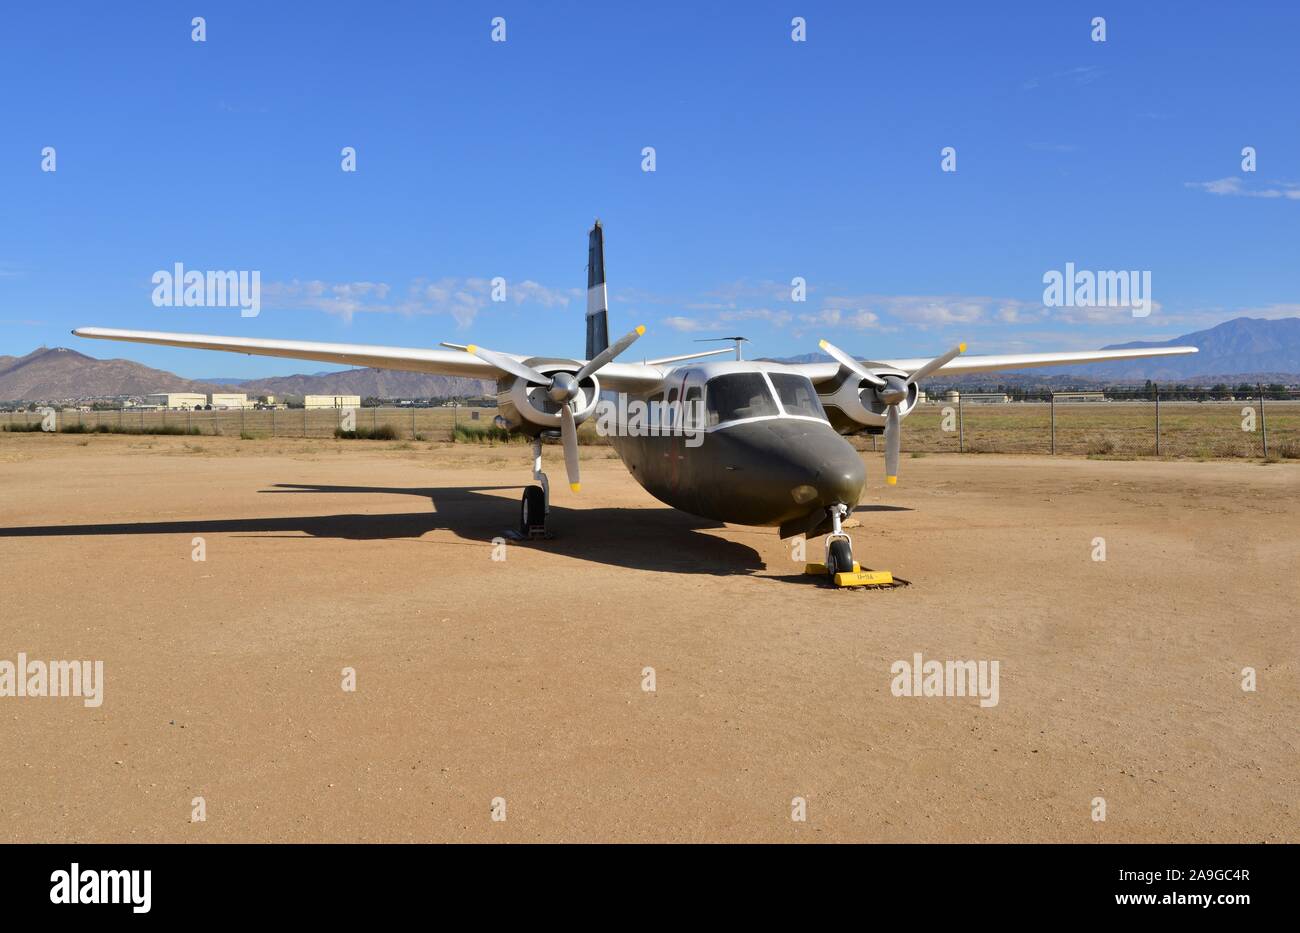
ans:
(597, 300)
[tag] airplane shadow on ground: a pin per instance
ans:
(645, 539)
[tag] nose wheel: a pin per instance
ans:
(839, 546)
(839, 558)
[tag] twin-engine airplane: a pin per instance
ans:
(754, 443)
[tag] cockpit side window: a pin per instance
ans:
(797, 395)
(738, 395)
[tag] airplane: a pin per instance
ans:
(747, 442)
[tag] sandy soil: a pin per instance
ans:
(522, 678)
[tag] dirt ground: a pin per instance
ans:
(522, 678)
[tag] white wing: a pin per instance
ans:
(820, 372)
(618, 376)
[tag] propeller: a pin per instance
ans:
(562, 387)
(892, 391)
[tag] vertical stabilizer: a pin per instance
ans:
(597, 300)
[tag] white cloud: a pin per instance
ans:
(1234, 186)
(460, 298)
(688, 325)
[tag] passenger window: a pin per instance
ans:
(691, 414)
(654, 413)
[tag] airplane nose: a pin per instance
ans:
(835, 471)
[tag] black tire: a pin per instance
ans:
(839, 558)
(532, 510)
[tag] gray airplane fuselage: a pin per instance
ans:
(771, 469)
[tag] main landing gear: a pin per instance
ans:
(536, 504)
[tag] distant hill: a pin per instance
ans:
(1244, 349)
(380, 383)
(60, 374)
(54, 374)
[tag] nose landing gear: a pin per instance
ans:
(536, 504)
(839, 546)
(840, 567)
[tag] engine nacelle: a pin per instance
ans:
(852, 404)
(528, 408)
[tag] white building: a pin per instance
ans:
(331, 401)
(183, 401)
(230, 400)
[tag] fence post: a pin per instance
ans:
(374, 419)
(1157, 388)
(1263, 425)
(1052, 400)
(241, 420)
(273, 422)
(412, 422)
(961, 429)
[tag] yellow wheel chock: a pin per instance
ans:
(858, 577)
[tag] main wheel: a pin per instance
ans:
(532, 511)
(839, 558)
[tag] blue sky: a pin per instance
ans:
(774, 159)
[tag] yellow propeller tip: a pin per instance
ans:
(471, 348)
(640, 329)
(961, 347)
(822, 344)
(891, 480)
(576, 487)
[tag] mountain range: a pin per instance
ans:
(1241, 350)
(60, 374)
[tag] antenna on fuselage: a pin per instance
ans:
(739, 341)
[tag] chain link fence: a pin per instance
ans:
(1242, 428)
(405, 423)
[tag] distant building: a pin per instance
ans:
(1079, 396)
(952, 395)
(183, 401)
(986, 398)
(230, 400)
(331, 401)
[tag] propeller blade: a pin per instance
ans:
(937, 363)
(569, 434)
(509, 365)
(851, 364)
(607, 354)
(892, 442)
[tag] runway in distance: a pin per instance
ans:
(747, 442)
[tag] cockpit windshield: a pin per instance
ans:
(798, 397)
(739, 395)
